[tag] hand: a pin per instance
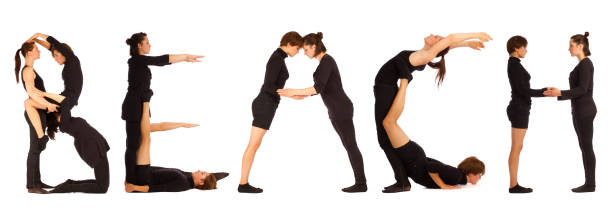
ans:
(286, 92)
(552, 92)
(193, 58)
(449, 187)
(52, 108)
(129, 187)
(190, 125)
(476, 45)
(484, 37)
(300, 97)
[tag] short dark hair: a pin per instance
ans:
(584, 41)
(472, 165)
(515, 42)
(293, 38)
(210, 183)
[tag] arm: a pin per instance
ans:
(35, 94)
(436, 178)
(60, 47)
(424, 56)
(321, 77)
(476, 45)
(521, 84)
(164, 126)
(297, 93)
(585, 77)
(58, 98)
(43, 43)
(184, 58)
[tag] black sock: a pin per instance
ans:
(396, 184)
(519, 189)
(356, 188)
(584, 188)
(247, 188)
(64, 187)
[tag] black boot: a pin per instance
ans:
(247, 188)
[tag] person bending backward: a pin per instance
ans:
(388, 96)
(265, 104)
(135, 108)
(519, 107)
(583, 106)
(328, 83)
(158, 179)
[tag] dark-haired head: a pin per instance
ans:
(139, 44)
(580, 43)
(28, 49)
(204, 180)
(515, 43)
(57, 55)
(440, 65)
(473, 168)
(291, 43)
(52, 124)
(313, 44)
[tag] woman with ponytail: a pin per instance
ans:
(135, 108)
(388, 96)
(36, 108)
(583, 105)
(328, 83)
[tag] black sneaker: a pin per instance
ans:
(520, 189)
(247, 188)
(357, 188)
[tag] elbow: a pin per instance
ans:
(389, 122)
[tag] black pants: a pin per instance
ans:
(132, 129)
(384, 96)
(413, 158)
(583, 124)
(346, 131)
(33, 162)
(99, 185)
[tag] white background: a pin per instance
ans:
(301, 164)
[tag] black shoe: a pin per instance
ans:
(520, 189)
(396, 184)
(220, 175)
(37, 191)
(357, 188)
(247, 188)
(584, 189)
(396, 189)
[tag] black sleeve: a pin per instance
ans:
(169, 180)
(521, 84)
(273, 70)
(403, 65)
(585, 77)
(66, 114)
(155, 60)
(60, 47)
(321, 76)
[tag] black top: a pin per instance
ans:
(276, 75)
(139, 84)
(581, 88)
(71, 74)
(398, 67)
(519, 82)
(38, 81)
(170, 180)
(449, 174)
(328, 83)
(89, 143)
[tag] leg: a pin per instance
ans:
(34, 184)
(32, 108)
(143, 156)
(518, 135)
(584, 131)
(346, 131)
(249, 154)
(99, 185)
(397, 137)
(132, 129)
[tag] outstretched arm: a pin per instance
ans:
(164, 126)
(476, 45)
(41, 40)
(436, 178)
(424, 56)
(184, 58)
(297, 93)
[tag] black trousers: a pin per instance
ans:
(384, 96)
(132, 129)
(99, 185)
(33, 161)
(583, 125)
(346, 131)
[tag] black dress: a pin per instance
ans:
(265, 104)
(71, 74)
(385, 90)
(520, 104)
(36, 145)
(328, 83)
(583, 113)
(139, 92)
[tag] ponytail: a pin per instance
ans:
(440, 65)
(17, 65)
(133, 42)
(584, 41)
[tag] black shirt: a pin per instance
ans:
(449, 174)
(170, 180)
(139, 84)
(519, 82)
(72, 73)
(581, 88)
(328, 83)
(276, 75)
(398, 67)
(89, 143)
(38, 81)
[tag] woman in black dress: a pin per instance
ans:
(265, 104)
(583, 106)
(387, 93)
(328, 83)
(36, 108)
(139, 94)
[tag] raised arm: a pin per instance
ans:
(436, 178)
(164, 126)
(476, 45)
(184, 58)
(424, 56)
(60, 47)
(41, 40)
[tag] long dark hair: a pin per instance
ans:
(440, 65)
(25, 48)
(134, 41)
(52, 124)
(584, 41)
(315, 39)
(52, 48)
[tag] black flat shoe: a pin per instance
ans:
(396, 189)
(396, 184)
(584, 189)
(220, 175)
(357, 188)
(247, 188)
(520, 189)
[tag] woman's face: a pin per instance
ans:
(473, 178)
(575, 49)
(144, 47)
(309, 50)
(432, 40)
(200, 176)
(292, 50)
(522, 51)
(34, 53)
(59, 58)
